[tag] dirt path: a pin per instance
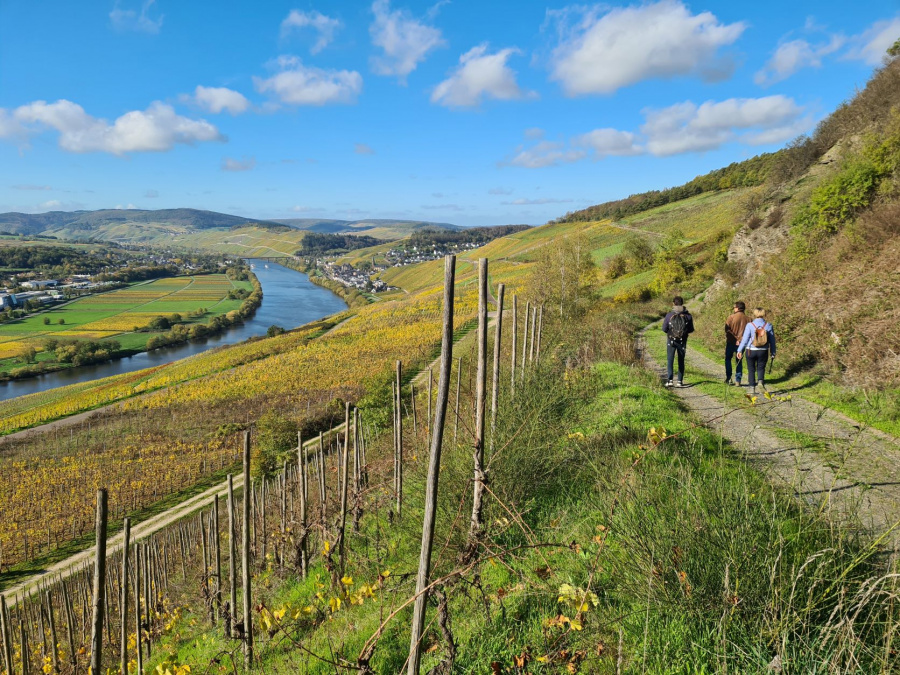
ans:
(828, 460)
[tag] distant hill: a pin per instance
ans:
(350, 226)
(84, 224)
(136, 225)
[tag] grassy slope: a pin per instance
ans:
(661, 534)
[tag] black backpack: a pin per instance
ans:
(678, 327)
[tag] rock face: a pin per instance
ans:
(751, 247)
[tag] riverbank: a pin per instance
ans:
(290, 300)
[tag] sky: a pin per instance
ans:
(474, 113)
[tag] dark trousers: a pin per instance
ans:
(756, 365)
(674, 347)
(730, 352)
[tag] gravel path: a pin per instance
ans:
(828, 460)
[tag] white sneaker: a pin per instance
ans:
(669, 383)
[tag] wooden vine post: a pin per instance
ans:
(99, 597)
(525, 340)
(123, 599)
(399, 422)
(232, 562)
(480, 387)
(515, 321)
(5, 636)
(434, 467)
(456, 409)
(301, 462)
(245, 559)
(495, 388)
(345, 481)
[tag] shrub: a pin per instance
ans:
(668, 273)
(46, 320)
(639, 252)
(61, 322)
(276, 438)
(615, 266)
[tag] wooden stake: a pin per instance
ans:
(429, 421)
(400, 446)
(99, 601)
(434, 467)
(495, 388)
(54, 650)
(480, 387)
(525, 340)
(531, 347)
(345, 481)
(217, 548)
(301, 462)
(5, 636)
(123, 599)
(457, 415)
(245, 559)
(515, 323)
(540, 333)
(232, 554)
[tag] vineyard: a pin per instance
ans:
(191, 403)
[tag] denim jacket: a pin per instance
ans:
(747, 340)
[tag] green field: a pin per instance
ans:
(119, 314)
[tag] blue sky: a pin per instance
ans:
(475, 113)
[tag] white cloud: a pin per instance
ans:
(51, 204)
(297, 84)
(479, 75)
(325, 26)
(545, 153)
(535, 202)
(404, 40)
(131, 19)
(363, 149)
(245, 164)
(677, 129)
(605, 142)
(155, 129)
(871, 45)
(687, 127)
(606, 51)
(217, 99)
(795, 55)
(129, 207)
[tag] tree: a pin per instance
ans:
(274, 330)
(564, 275)
(639, 252)
(894, 50)
(276, 436)
(46, 320)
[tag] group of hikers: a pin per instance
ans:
(754, 337)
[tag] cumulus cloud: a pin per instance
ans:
(609, 49)
(677, 129)
(217, 99)
(245, 164)
(297, 84)
(479, 75)
(325, 26)
(363, 149)
(404, 40)
(606, 142)
(156, 129)
(50, 204)
(687, 127)
(545, 153)
(795, 55)
(134, 20)
(870, 46)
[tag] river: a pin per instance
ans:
(290, 299)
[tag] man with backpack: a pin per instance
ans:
(734, 332)
(677, 325)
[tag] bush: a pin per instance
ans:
(274, 330)
(639, 252)
(668, 274)
(276, 440)
(615, 266)
(61, 322)
(46, 320)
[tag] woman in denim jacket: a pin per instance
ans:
(759, 349)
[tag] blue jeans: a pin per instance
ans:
(730, 351)
(674, 348)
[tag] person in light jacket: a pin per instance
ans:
(759, 343)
